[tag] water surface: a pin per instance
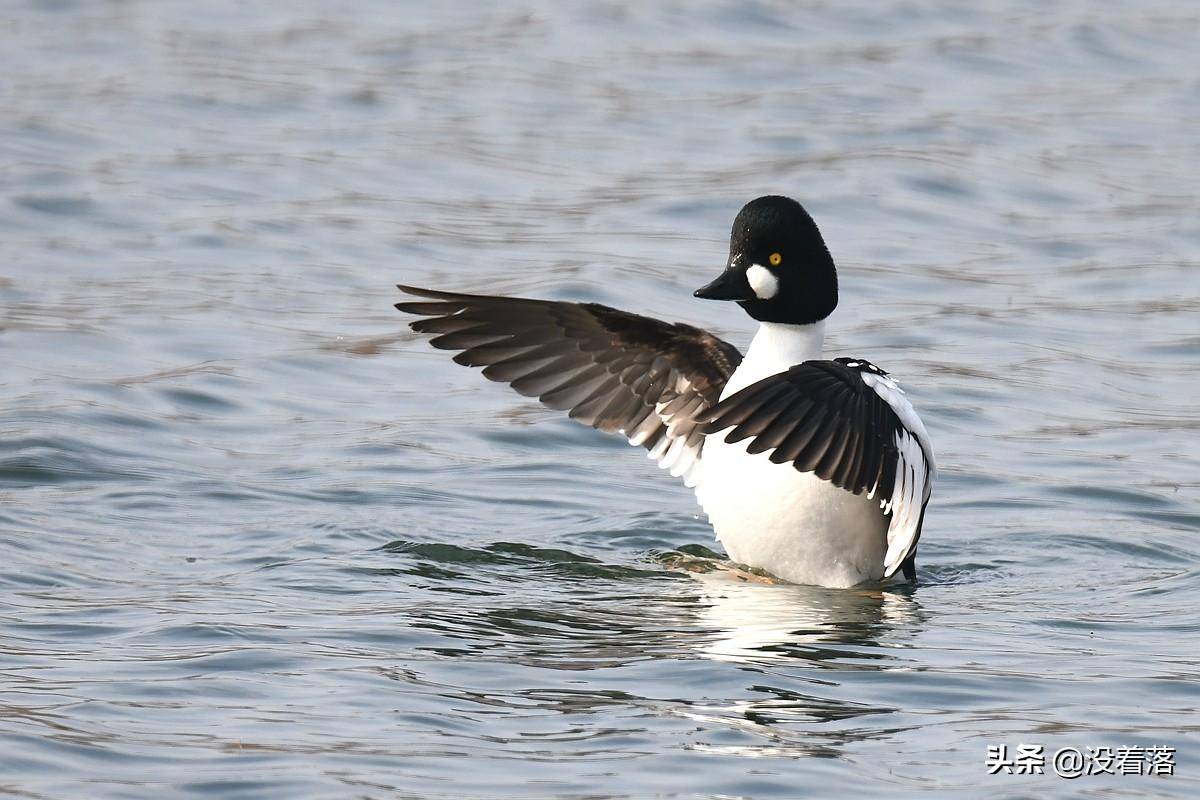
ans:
(259, 540)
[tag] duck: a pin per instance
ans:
(815, 470)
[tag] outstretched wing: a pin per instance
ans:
(849, 423)
(615, 371)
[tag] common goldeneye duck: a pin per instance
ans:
(817, 471)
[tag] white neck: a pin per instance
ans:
(774, 348)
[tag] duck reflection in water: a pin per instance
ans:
(756, 622)
(770, 630)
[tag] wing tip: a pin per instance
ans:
(437, 294)
(417, 306)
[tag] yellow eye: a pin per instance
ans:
(775, 259)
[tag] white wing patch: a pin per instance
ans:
(915, 473)
(678, 451)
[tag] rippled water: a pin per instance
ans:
(258, 540)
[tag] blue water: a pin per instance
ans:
(257, 539)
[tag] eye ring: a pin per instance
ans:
(775, 259)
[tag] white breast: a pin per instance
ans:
(792, 524)
(775, 348)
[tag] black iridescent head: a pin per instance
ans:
(779, 269)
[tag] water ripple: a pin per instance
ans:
(258, 540)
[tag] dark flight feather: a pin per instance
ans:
(612, 370)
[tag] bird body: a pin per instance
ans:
(756, 509)
(817, 471)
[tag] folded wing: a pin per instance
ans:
(615, 371)
(850, 424)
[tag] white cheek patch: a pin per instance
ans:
(764, 284)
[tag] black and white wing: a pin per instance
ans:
(849, 423)
(612, 370)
